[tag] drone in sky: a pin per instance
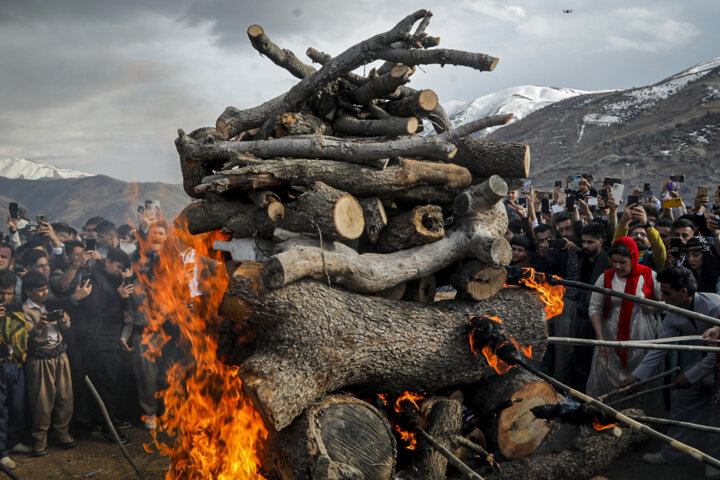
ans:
(567, 11)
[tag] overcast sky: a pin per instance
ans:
(103, 86)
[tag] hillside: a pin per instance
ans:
(74, 200)
(641, 135)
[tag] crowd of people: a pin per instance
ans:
(72, 305)
(654, 247)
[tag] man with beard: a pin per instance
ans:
(594, 261)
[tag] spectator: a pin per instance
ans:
(514, 228)
(126, 237)
(64, 232)
(7, 256)
(107, 237)
(89, 227)
(683, 229)
(521, 254)
(691, 398)
(47, 370)
(650, 246)
(543, 233)
(103, 311)
(510, 203)
(703, 265)
(36, 260)
(622, 320)
(13, 350)
(664, 227)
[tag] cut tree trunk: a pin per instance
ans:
(312, 339)
(337, 438)
(301, 124)
(515, 430)
(420, 226)
(420, 104)
(279, 56)
(242, 219)
(484, 158)
(442, 419)
(383, 85)
(591, 451)
(337, 214)
(347, 177)
(422, 290)
(269, 202)
(476, 280)
(387, 126)
(375, 218)
(477, 234)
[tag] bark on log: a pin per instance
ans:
(312, 339)
(337, 214)
(301, 124)
(420, 104)
(484, 158)
(591, 451)
(279, 56)
(420, 226)
(322, 58)
(391, 126)
(515, 430)
(476, 280)
(383, 85)
(269, 202)
(354, 179)
(233, 120)
(440, 56)
(324, 148)
(338, 438)
(442, 418)
(242, 219)
(375, 218)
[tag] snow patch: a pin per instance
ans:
(600, 119)
(20, 168)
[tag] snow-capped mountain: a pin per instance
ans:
(21, 168)
(520, 101)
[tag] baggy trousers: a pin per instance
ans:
(49, 388)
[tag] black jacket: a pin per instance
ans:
(102, 312)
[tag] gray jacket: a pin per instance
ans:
(676, 325)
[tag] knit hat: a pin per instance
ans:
(697, 244)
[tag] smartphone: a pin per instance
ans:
(54, 316)
(41, 218)
(14, 210)
(129, 280)
(152, 207)
(141, 209)
(574, 181)
(570, 202)
(545, 195)
(604, 194)
(675, 246)
(545, 205)
(702, 191)
(609, 181)
(526, 185)
(633, 200)
(18, 269)
(90, 244)
(592, 202)
(672, 186)
(30, 228)
(678, 178)
(557, 209)
(556, 243)
(558, 183)
(715, 219)
(617, 191)
(647, 194)
(522, 201)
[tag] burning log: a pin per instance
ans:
(442, 419)
(338, 437)
(476, 280)
(311, 339)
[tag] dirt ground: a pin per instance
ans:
(97, 459)
(94, 458)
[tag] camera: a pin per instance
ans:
(54, 316)
(556, 243)
(129, 280)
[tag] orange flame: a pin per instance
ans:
(599, 427)
(408, 437)
(493, 360)
(411, 397)
(215, 430)
(551, 295)
(383, 398)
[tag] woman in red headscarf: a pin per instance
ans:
(617, 319)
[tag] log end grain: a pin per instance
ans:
(412, 125)
(255, 31)
(486, 283)
(428, 100)
(519, 431)
(348, 218)
(275, 211)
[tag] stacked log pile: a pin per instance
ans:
(363, 199)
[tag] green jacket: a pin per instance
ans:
(14, 331)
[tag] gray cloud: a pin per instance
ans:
(104, 85)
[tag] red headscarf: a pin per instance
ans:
(631, 284)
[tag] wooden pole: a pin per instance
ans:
(641, 394)
(637, 384)
(676, 423)
(553, 280)
(637, 344)
(452, 459)
(489, 457)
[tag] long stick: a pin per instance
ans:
(553, 280)
(452, 459)
(631, 344)
(110, 425)
(637, 384)
(693, 452)
(640, 394)
(676, 423)
(467, 443)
